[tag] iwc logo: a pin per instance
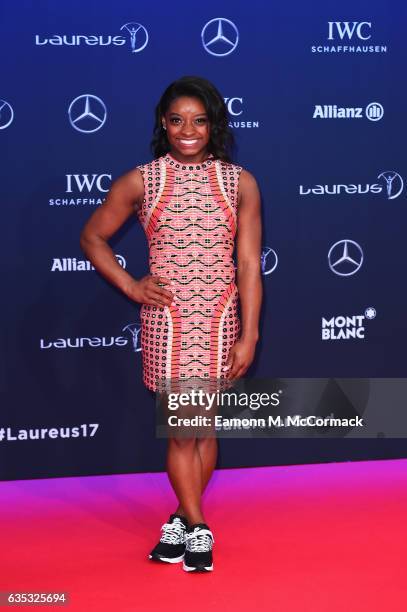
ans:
(349, 37)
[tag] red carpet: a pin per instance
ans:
(314, 538)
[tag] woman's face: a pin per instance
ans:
(188, 129)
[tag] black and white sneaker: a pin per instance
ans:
(198, 550)
(171, 547)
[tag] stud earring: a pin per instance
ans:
(164, 127)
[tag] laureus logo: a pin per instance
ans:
(136, 36)
(391, 185)
(268, 260)
(6, 114)
(97, 342)
(134, 329)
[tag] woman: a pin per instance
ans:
(191, 201)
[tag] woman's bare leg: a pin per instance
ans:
(208, 452)
(184, 470)
(207, 446)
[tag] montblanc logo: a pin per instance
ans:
(344, 327)
(136, 36)
(72, 264)
(236, 109)
(356, 37)
(373, 111)
(78, 184)
(392, 185)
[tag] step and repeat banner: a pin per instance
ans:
(316, 98)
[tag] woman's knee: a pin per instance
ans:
(182, 442)
(207, 444)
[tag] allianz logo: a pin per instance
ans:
(343, 327)
(392, 186)
(72, 264)
(373, 111)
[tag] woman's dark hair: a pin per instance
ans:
(221, 140)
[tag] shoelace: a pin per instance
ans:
(199, 540)
(173, 533)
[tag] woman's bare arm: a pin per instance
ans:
(248, 255)
(248, 274)
(126, 193)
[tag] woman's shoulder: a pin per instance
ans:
(239, 169)
(148, 164)
(231, 165)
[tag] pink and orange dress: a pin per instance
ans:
(189, 215)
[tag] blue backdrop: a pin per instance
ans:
(317, 102)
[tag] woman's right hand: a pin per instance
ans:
(147, 290)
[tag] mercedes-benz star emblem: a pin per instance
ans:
(87, 113)
(220, 36)
(345, 257)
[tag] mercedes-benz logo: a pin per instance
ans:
(138, 36)
(6, 114)
(87, 113)
(269, 260)
(345, 257)
(219, 36)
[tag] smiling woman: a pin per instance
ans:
(187, 128)
(192, 109)
(192, 201)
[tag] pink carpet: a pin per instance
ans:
(328, 537)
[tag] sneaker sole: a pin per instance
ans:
(208, 568)
(166, 559)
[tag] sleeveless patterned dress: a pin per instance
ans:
(189, 216)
